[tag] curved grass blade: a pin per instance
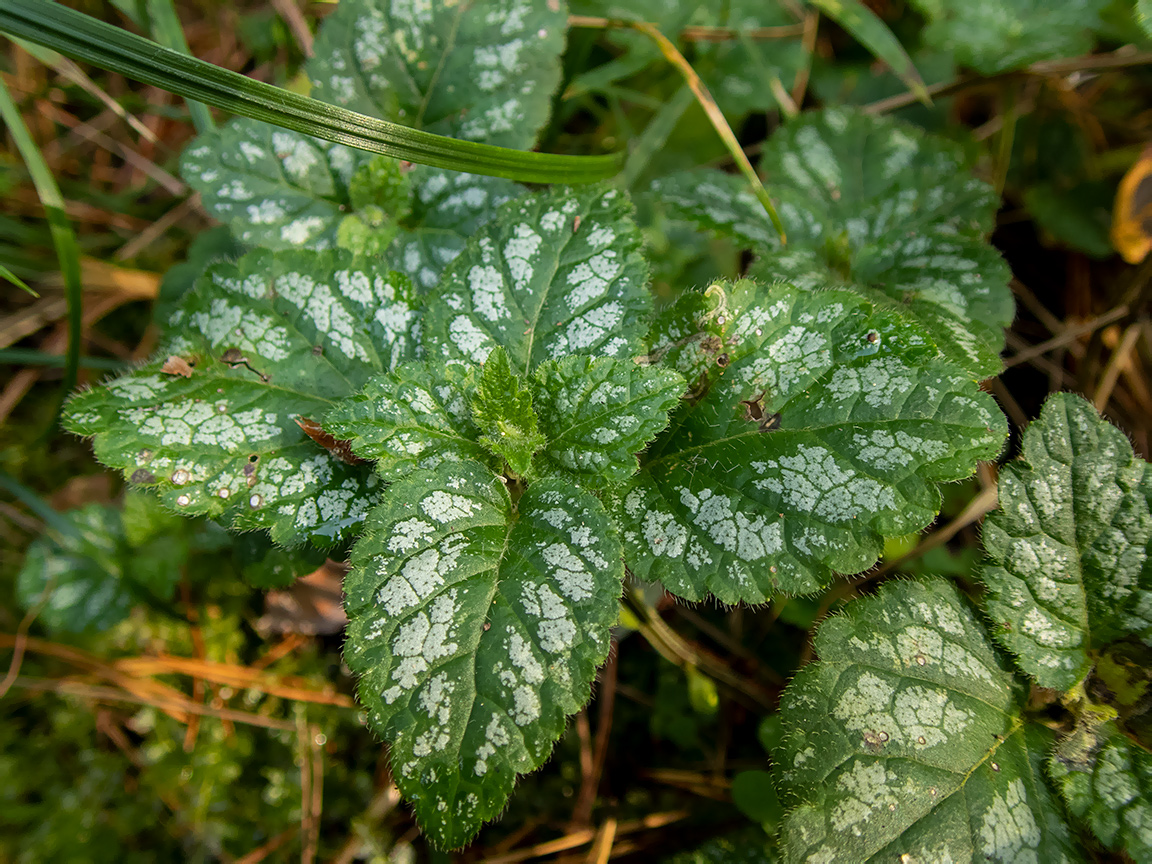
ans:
(712, 110)
(5, 273)
(63, 237)
(85, 38)
(166, 30)
(873, 34)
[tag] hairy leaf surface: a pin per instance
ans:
(556, 274)
(597, 414)
(447, 207)
(1070, 544)
(211, 422)
(875, 205)
(814, 426)
(1109, 788)
(906, 739)
(413, 417)
(502, 409)
(997, 35)
(282, 190)
(273, 187)
(478, 628)
(478, 71)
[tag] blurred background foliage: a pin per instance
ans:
(177, 694)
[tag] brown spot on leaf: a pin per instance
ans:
(342, 450)
(711, 344)
(142, 476)
(177, 366)
(233, 357)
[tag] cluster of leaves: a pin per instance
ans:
(472, 384)
(914, 737)
(504, 407)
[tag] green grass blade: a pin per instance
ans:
(39, 507)
(31, 357)
(85, 38)
(167, 31)
(656, 134)
(867, 28)
(5, 273)
(63, 237)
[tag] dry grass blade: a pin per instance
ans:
(261, 852)
(231, 675)
(700, 33)
(72, 72)
(1068, 337)
(21, 640)
(715, 116)
(177, 708)
(582, 838)
(602, 847)
(1117, 60)
(294, 18)
(1120, 359)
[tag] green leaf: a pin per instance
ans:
(214, 244)
(283, 190)
(1109, 788)
(754, 794)
(95, 574)
(875, 205)
(108, 47)
(993, 36)
(413, 417)
(906, 739)
(502, 410)
(1071, 569)
(263, 565)
(743, 847)
(269, 340)
(814, 426)
(477, 628)
(275, 188)
(1144, 16)
(598, 413)
(481, 72)
(1079, 216)
(380, 194)
(447, 208)
(871, 32)
(556, 274)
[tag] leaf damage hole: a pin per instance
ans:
(754, 413)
